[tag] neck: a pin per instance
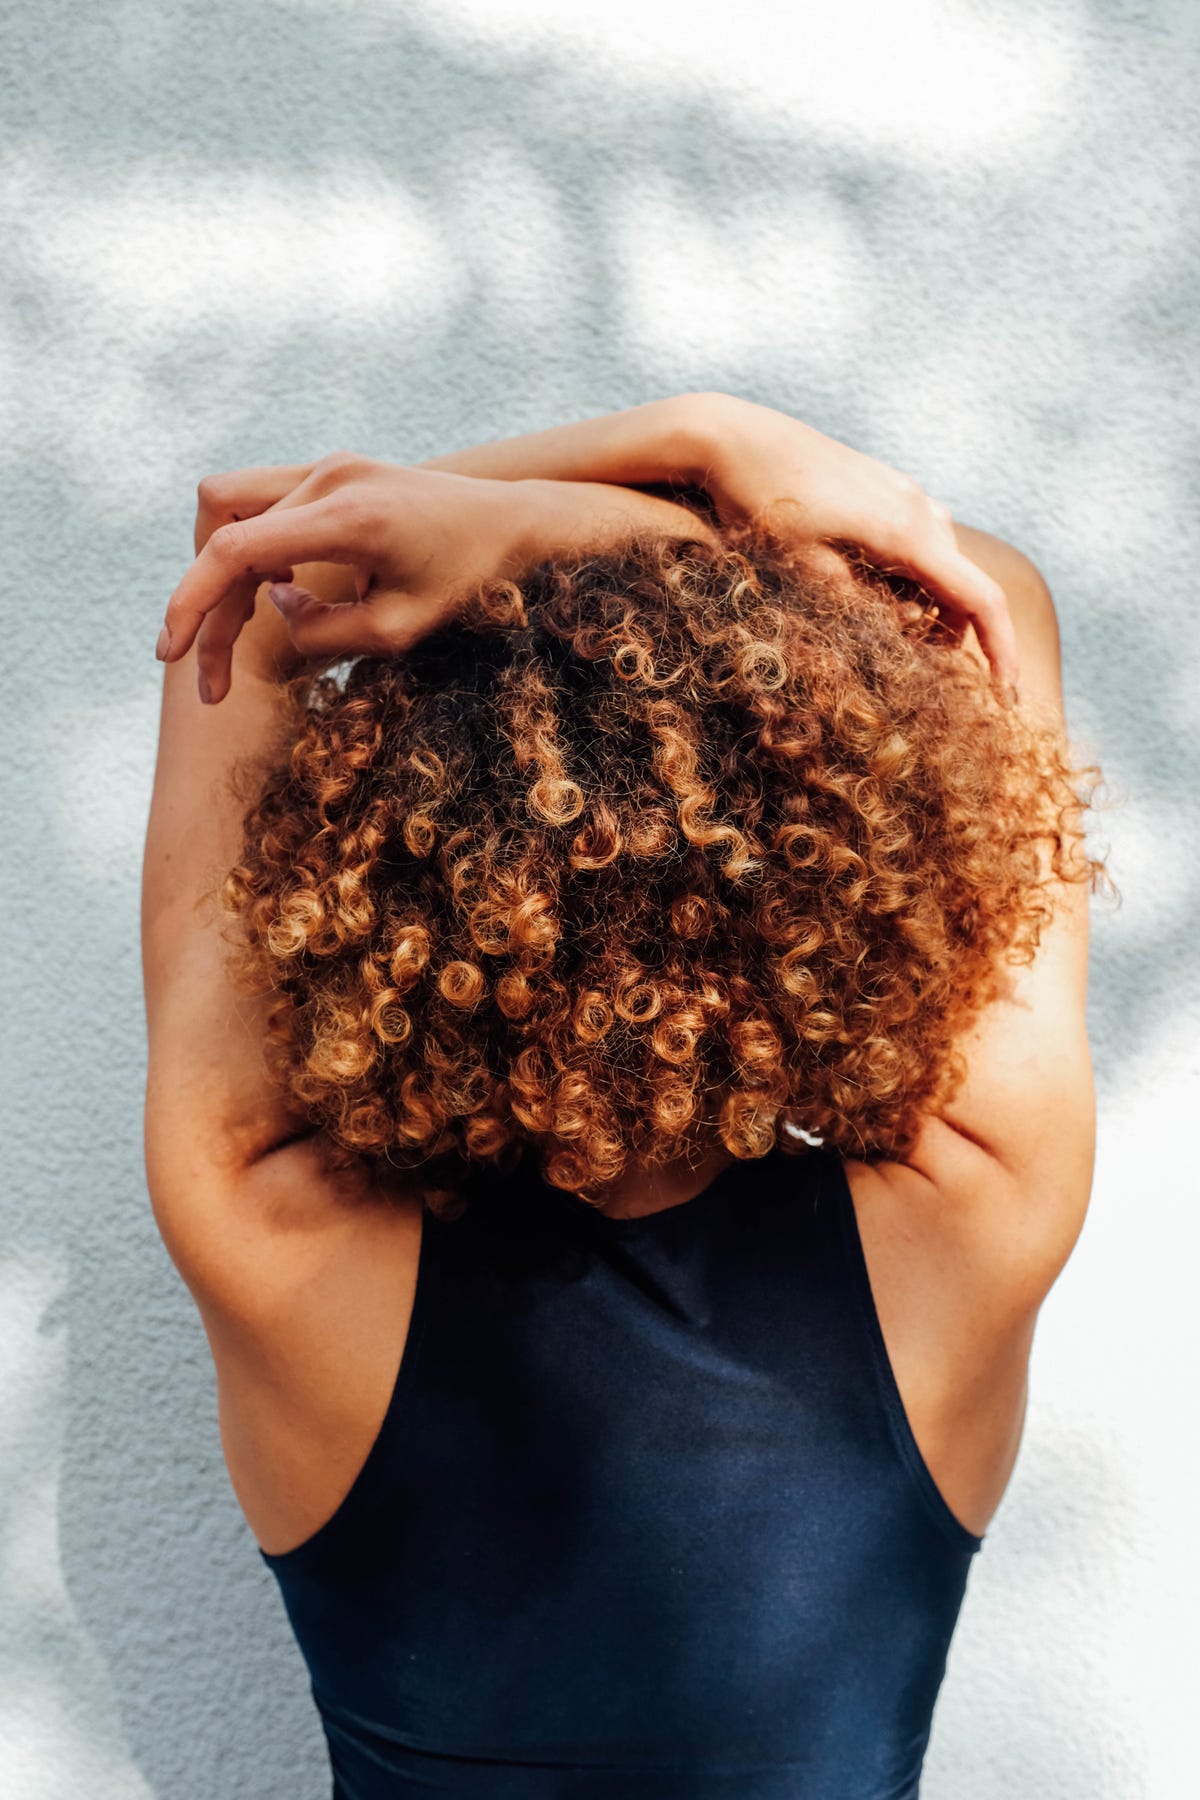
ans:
(644, 1188)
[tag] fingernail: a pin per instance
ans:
(164, 644)
(205, 689)
(288, 598)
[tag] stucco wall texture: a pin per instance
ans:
(959, 236)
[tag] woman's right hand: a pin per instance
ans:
(813, 489)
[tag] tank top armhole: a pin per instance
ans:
(325, 1533)
(837, 1183)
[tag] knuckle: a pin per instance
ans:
(309, 640)
(914, 504)
(913, 516)
(338, 462)
(211, 491)
(208, 653)
(354, 516)
(896, 532)
(828, 562)
(228, 543)
(175, 616)
(378, 640)
(335, 473)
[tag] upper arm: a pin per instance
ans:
(1022, 1122)
(211, 1106)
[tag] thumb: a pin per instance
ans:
(320, 627)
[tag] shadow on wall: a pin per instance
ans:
(247, 234)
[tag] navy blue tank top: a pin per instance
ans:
(644, 1518)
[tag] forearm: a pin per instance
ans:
(672, 440)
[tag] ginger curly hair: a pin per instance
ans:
(676, 839)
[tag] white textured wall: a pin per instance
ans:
(961, 236)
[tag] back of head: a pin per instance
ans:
(680, 843)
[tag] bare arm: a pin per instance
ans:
(965, 1238)
(416, 540)
(1014, 1149)
(757, 463)
(1030, 1075)
(674, 440)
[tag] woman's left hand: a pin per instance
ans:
(757, 463)
(771, 467)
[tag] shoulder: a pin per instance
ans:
(1031, 604)
(1018, 574)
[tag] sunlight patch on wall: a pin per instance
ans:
(694, 287)
(338, 248)
(506, 219)
(928, 81)
(1154, 865)
(1097, 1367)
(57, 1710)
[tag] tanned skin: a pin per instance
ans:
(304, 1292)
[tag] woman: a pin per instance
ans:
(618, 1087)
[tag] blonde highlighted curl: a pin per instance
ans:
(673, 840)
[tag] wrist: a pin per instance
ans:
(673, 440)
(707, 429)
(696, 424)
(561, 518)
(544, 514)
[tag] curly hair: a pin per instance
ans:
(676, 839)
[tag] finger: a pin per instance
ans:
(324, 628)
(217, 636)
(924, 548)
(242, 493)
(384, 624)
(961, 584)
(268, 547)
(832, 564)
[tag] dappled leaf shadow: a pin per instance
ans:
(243, 235)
